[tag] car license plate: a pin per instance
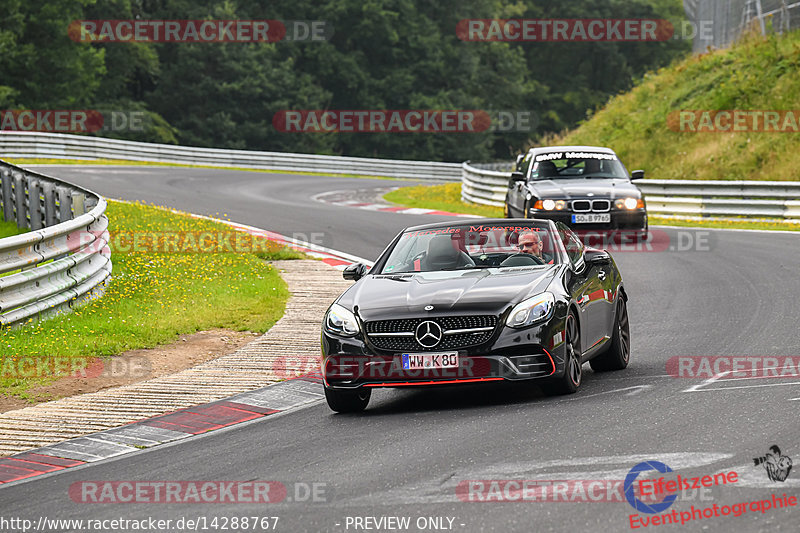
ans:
(591, 217)
(421, 361)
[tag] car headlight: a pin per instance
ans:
(629, 203)
(532, 310)
(340, 321)
(549, 205)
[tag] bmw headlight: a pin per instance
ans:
(550, 205)
(340, 321)
(532, 310)
(629, 203)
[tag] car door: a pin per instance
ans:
(608, 280)
(584, 285)
(517, 192)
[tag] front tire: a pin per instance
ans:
(618, 354)
(573, 370)
(345, 401)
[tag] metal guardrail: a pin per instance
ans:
(61, 146)
(671, 198)
(64, 260)
(481, 186)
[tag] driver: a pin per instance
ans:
(530, 243)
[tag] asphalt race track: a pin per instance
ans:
(699, 293)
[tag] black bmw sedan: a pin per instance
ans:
(585, 187)
(475, 301)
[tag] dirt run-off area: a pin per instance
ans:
(136, 365)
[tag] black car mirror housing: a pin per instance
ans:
(517, 176)
(354, 272)
(597, 257)
(637, 174)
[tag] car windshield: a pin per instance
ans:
(576, 165)
(471, 246)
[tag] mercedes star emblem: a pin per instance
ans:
(428, 334)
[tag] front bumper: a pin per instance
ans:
(510, 355)
(623, 220)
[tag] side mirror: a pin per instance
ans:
(596, 257)
(517, 176)
(637, 174)
(354, 272)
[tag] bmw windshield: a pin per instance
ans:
(464, 247)
(565, 165)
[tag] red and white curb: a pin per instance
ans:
(334, 258)
(188, 422)
(161, 429)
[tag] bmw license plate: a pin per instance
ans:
(591, 217)
(421, 361)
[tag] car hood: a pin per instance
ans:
(583, 187)
(483, 291)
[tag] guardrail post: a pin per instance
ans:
(35, 205)
(64, 204)
(8, 195)
(78, 204)
(50, 217)
(19, 201)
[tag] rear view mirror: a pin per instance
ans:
(517, 176)
(354, 272)
(637, 174)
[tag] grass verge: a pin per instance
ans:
(123, 162)
(657, 125)
(9, 229)
(153, 298)
(448, 198)
(445, 197)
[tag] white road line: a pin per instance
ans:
(717, 377)
(696, 388)
(636, 389)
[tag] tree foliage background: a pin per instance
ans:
(383, 54)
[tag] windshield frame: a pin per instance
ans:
(562, 159)
(501, 242)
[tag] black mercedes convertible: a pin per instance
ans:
(475, 301)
